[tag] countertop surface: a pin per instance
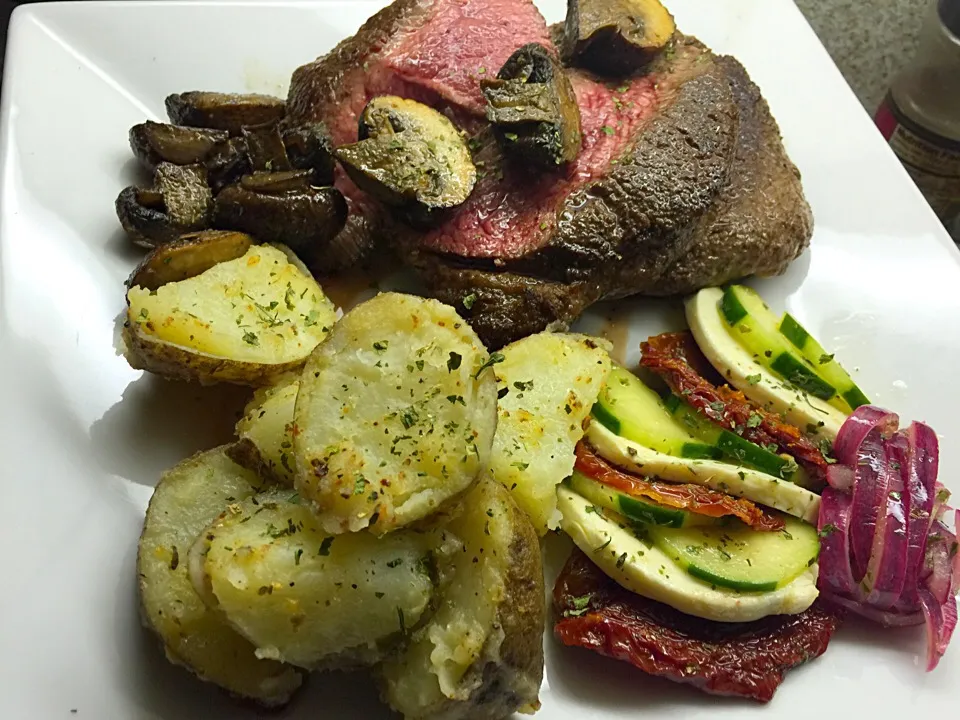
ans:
(869, 41)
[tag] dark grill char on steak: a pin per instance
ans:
(682, 181)
(740, 659)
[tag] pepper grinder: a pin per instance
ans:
(920, 117)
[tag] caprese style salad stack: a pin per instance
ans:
(738, 493)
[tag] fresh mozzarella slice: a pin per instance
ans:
(756, 382)
(743, 482)
(648, 571)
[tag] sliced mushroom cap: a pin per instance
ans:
(389, 115)
(224, 111)
(265, 148)
(278, 183)
(144, 218)
(410, 157)
(615, 37)
(533, 108)
(186, 194)
(154, 143)
(188, 256)
(179, 202)
(227, 164)
(283, 209)
(309, 148)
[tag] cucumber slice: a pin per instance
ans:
(731, 445)
(756, 329)
(632, 508)
(826, 367)
(628, 408)
(737, 557)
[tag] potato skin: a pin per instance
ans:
(187, 498)
(240, 303)
(171, 361)
(506, 675)
(303, 596)
(266, 430)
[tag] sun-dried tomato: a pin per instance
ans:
(743, 659)
(684, 496)
(675, 357)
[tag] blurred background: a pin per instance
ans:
(870, 40)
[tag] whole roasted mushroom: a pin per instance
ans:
(533, 108)
(410, 157)
(309, 148)
(283, 207)
(227, 164)
(224, 111)
(265, 148)
(153, 143)
(615, 37)
(179, 202)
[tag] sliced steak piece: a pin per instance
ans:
(432, 51)
(681, 182)
(740, 659)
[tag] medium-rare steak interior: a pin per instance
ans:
(681, 182)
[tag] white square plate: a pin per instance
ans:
(84, 438)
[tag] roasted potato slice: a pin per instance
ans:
(224, 111)
(481, 653)
(266, 431)
(305, 597)
(395, 415)
(244, 321)
(533, 108)
(187, 498)
(615, 37)
(548, 384)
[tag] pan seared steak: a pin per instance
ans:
(682, 181)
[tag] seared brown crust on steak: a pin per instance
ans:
(761, 222)
(504, 306)
(626, 228)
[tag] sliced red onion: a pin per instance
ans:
(955, 550)
(940, 562)
(836, 574)
(870, 491)
(885, 553)
(920, 475)
(883, 580)
(941, 619)
(856, 428)
(841, 477)
(940, 499)
(887, 618)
